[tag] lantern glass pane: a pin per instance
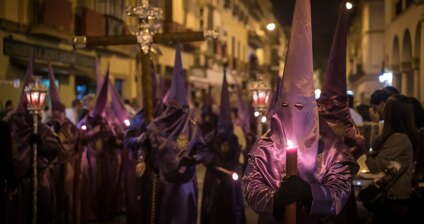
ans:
(42, 98)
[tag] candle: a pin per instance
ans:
(291, 169)
(291, 158)
(228, 172)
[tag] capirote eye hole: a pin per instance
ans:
(299, 106)
(284, 104)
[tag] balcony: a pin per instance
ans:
(91, 23)
(255, 40)
(54, 20)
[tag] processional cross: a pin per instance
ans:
(149, 22)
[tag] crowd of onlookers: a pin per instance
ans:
(393, 125)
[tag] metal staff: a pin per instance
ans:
(234, 175)
(35, 94)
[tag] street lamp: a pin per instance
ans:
(35, 94)
(260, 96)
(349, 5)
(270, 26)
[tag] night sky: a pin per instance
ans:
(324, 18)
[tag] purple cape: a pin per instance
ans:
(226, 151)
(323, 161)
(48, 154)
(100, 170)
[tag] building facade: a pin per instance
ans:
(44, 29)
(385, 47)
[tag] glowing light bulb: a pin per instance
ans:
(127, 122)
(235, 176)
(270, 26)
(256, 114)
(83, 127)
(349, 5)
(263, 119)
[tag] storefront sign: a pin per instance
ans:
(20, 49)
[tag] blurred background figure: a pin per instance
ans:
(394, 149)
(357, 118)
(130, 109)
(73, 113)
(8, 108)
(88, 103)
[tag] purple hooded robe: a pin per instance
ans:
(99, 172)
(209, 118)
(334, 108)
(21, 125)
(323, 161)
(222, 200)
(141, 189)
(68, 165)
(173, 135)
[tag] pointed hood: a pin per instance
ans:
(99, 76)
(162, 90)
(275, 95)
(207, 103)
(296, 112)
(243, 112)
(117, 104)
(334, 107)
(225, 124)
(54, 93)
(21, 107)
(101, 102)
(178, 91)
(335, 76)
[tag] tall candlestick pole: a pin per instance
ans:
(291, 169)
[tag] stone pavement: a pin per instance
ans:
(251, 216)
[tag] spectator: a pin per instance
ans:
(129, 108)
(418, 112)
(357, 118)
(72, 113)
(377, 101)
(88, 102)
(363, 110)
(395, 147)
(46, 114)
(8, 109)
(391, 90)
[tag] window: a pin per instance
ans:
(119, 85)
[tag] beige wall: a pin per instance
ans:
(409, 20)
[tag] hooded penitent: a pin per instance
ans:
(100, 106)
(333, 103)
(100, 176)
(174, 136)
(323, 162)
(275, 95)
(296, 114)
(68, 167)
(48, 148)
(209, 119)
(141, 181)
(21, 107)
(217, 185)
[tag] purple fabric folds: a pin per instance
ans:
(172, 136)
(324, 161)
(66, 172)
(226, 151)
(333, 103)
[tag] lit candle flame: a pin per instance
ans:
(235, 176)
(290, 143)
(83, 127)
(127, 122)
